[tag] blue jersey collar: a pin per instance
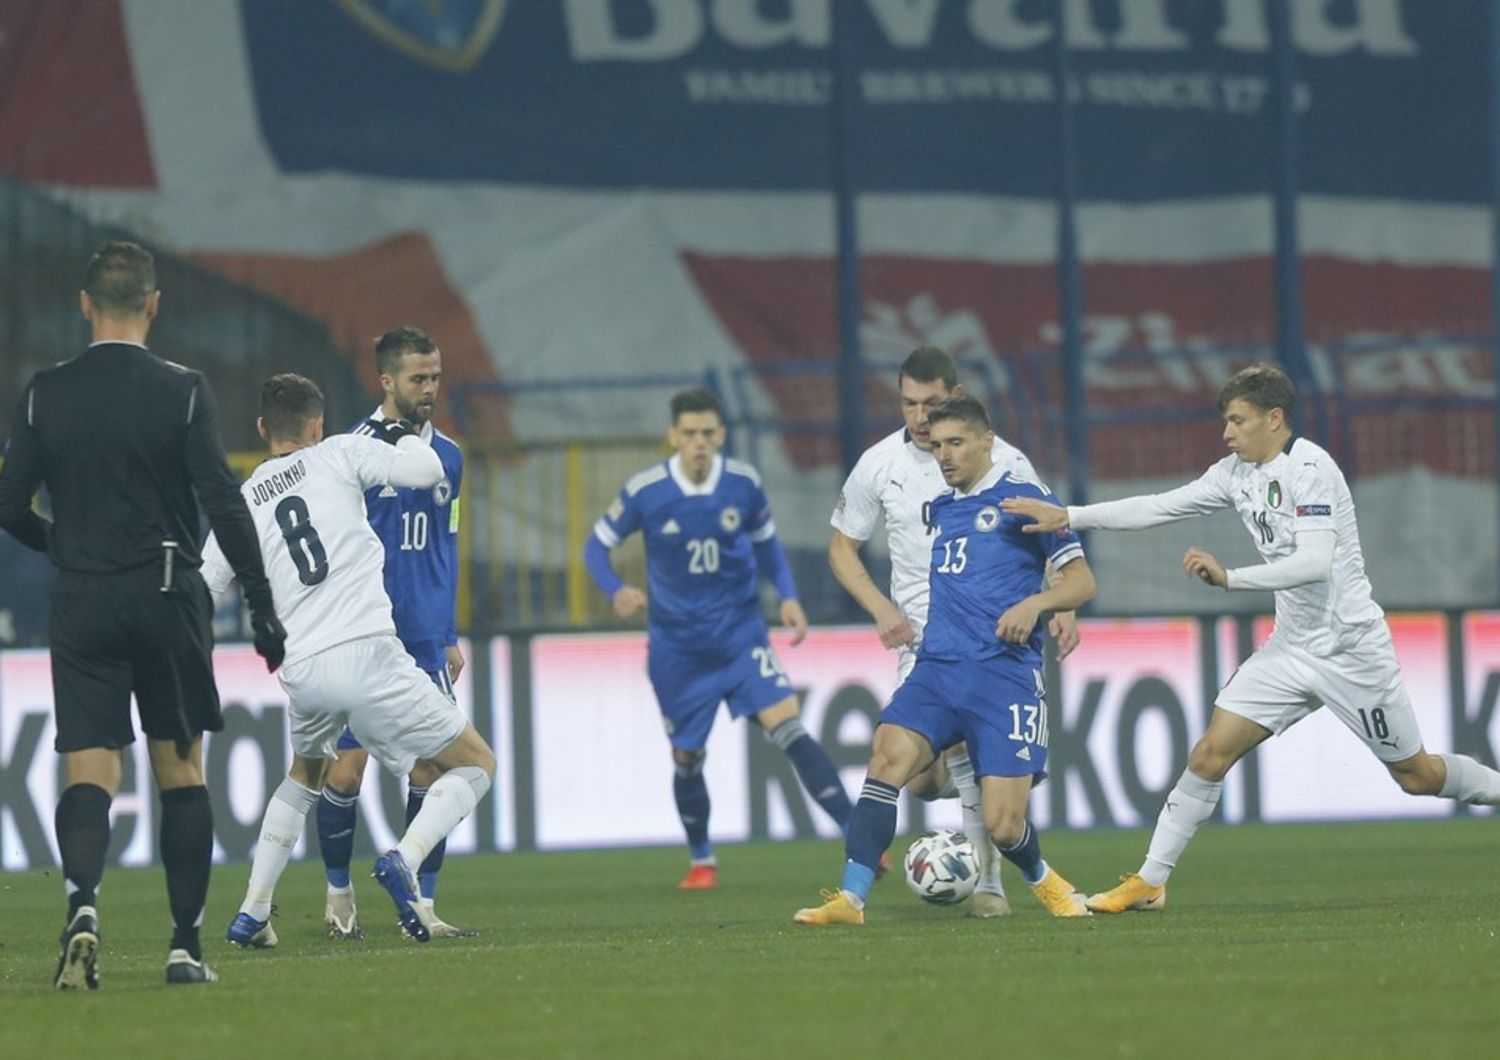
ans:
(990, 477)
(688, 486)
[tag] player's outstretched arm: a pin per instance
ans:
(850, 572)
(1205, 494)
(1045, 517)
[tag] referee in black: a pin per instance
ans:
(128, 447)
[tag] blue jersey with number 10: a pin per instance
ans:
(700, 552)
(982, 564)
(419, 530)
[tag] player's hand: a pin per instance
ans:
(795, 620)
(455, 659)
(628, 600)
(394, 430)
(1064, 632)
(894, 630)
(1045, 517)
(1016, 624)
(1202, 565)
(270, 638)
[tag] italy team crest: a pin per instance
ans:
(450, 34)
(1273, 494)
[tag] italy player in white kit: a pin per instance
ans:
(897, 478)
(1331, 646)
(344, 664)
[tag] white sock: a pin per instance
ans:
(1188, 805)
(962, 772)
(451, 798)
(1468, 781)
(280, 829)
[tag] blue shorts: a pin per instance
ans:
(347, 742)
(689, 688)
(995, 705)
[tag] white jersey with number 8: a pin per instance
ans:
(324, 562)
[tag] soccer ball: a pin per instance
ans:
(941, 867)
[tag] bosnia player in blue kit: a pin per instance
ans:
(978, 675)
(419, 531)
(708, 531)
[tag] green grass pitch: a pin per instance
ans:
(1320, 941)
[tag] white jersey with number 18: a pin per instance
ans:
(1301, 490)
(324, 562)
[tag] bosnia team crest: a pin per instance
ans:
(449, 34)
(986, 519)
(729, 519)
(1273, 494)
(442, 493)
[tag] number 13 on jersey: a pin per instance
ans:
(955, 558)
(1028, 723)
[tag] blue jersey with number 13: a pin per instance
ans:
(982, 564)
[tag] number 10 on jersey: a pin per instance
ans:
(413, 531)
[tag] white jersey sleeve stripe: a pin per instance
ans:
(608, 537)
(1065, 555)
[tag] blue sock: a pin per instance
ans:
(872, 826)
(1027, 856)
(432, 864)
(691, 791)
(336, 817)
(814, 768)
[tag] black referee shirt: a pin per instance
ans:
(128, 446)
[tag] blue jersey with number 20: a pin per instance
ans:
(700, 552)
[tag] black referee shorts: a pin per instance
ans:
(114, 634)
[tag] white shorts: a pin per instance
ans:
(1280, 685)
(376, 688)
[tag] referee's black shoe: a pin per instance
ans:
(183, 968)
(77, 964)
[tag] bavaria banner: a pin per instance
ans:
(583, 762)
(1173, 96)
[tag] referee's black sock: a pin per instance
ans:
(187, 850)
(83, 837)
